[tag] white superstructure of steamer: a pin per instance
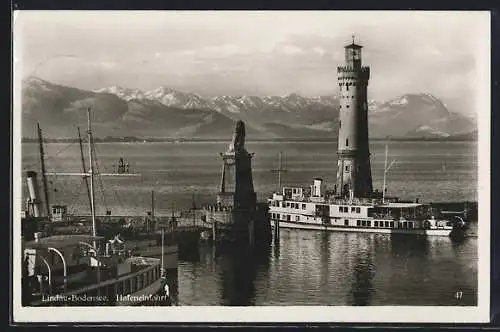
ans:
(310, 208)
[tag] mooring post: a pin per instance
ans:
(214, 231)
(276, 231)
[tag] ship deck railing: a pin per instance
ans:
(108, 289)
(334, 199)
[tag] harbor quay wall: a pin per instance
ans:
(136, 220)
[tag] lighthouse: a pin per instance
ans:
(353, 167)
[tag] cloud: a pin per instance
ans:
(289, 49)
(320, 51)
(254, 52)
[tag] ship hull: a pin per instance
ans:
(330, 228)
(143, 296)
(170, 254)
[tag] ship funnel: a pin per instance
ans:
(317, 186)
(34, 202)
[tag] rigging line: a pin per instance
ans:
(96, 156)
(102, 193)
(114, 191)
(118, 198)
(50, 158)
(76, 194)
(99, 178)
(59, 152)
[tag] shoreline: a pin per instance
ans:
(219, 140)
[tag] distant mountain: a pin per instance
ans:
(465, 137)
(165, 112)
(60, 108)
(417, 115)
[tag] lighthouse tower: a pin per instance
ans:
(353, 169)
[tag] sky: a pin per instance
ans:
(255, 53)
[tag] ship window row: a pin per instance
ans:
(354, 209)
(405, 225)
(277, 204)
(293, 205)
(287, 217)
(376, 223)
(388, 224)
(364, 223)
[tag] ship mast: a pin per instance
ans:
(152, 223)
(386, 170)
(279, 170)
(91, 176)
(84, 168)
(42, 163)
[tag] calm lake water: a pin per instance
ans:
(308, 267)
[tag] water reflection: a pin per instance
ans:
(404, 245)
(238, 270)
(363, 272)
(324, 250)
(318, 268)
(237, 278)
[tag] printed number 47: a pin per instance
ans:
(458, 295)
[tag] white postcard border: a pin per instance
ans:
(293, 314)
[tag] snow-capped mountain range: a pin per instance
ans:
(167, 112)
(233, 104)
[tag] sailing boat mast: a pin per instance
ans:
(279, 170)
(385, 172)
(85, 174)
(152, 224)
(386, 169)
(91, 176)
(42, 162)
(84, 168)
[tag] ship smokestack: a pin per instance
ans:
(34, 202)
(317, 186)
